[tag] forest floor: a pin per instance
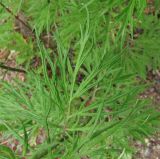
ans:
(151, 148)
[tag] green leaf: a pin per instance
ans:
(6, 152)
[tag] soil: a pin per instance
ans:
(151, 148)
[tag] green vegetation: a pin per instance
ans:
(84, 94)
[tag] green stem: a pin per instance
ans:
(43, 151)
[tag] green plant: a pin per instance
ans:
(145, 48)
(84, 100)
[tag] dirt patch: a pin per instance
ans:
(8, 66)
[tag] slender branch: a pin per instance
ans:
(16, 16)
(2, 66)
(42, 38)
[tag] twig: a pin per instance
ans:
(17, 17)
(11, 68)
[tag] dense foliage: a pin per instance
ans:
(84, 94)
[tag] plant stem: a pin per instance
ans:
(43, 151)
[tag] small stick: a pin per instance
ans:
(17, 17)
(11, 68)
